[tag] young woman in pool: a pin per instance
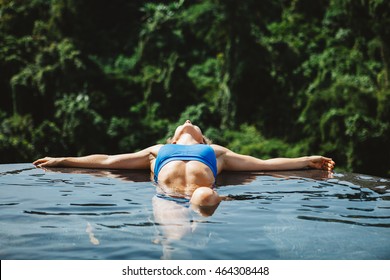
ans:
(188, 166)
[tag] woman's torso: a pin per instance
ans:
(181, 176)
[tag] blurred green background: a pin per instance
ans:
(267, 78)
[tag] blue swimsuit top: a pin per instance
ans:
(199, 152)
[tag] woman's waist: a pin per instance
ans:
(185, 176)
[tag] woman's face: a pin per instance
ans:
(188, 128)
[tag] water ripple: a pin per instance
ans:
(18, 171)
(365, 217)
(316, 206)
(93, 204)
(75, 214)
(318, 219)
(279, 217)
(142, 224)
(9, 204)
(361, 209)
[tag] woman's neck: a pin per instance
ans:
(186, 139)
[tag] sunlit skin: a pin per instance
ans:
(187, 134)
(192, 179)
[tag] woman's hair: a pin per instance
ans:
(205, 140)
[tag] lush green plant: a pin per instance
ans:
(268, 78)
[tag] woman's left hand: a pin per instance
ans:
(320, 162)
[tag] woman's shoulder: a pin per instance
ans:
(218, 149)
(154, 149)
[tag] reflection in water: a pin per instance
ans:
(91, 235)
(174, 216)
(291, 214)
(126, 175)
(242, 178)
(174, 220)
(223, 179)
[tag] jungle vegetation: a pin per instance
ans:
(267, 78)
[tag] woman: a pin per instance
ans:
(188, 166)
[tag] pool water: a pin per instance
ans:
(108, 214)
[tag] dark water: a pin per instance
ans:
(95, 214)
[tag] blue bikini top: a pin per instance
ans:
(199, 152)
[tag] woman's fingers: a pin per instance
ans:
(323, 163)
(328, 164)
(41, 162)
(38, 161)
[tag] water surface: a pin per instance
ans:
(107, 214)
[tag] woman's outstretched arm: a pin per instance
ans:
(232, 161)
(138, 160)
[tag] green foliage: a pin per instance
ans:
(267, 78)
(199, 114)
(79, 122)
(248, 140)
(16, 138)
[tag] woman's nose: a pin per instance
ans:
(188, 121)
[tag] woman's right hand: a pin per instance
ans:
(48, 162)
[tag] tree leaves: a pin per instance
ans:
(268, 78)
